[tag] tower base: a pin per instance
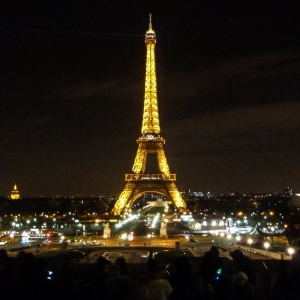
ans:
(148, 183)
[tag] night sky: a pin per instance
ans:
(72, 91)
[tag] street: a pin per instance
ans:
(198, 247)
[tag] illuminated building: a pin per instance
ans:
(150, 142)
(15, 195)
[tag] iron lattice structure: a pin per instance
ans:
(150, 142)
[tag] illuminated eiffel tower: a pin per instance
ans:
(150, 142)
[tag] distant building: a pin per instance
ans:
(288, 191)
(295, 201)
(15, 195)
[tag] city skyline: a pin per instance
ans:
(287, 191)
(228, 95)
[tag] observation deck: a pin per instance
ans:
(151, 138)
(150, 177)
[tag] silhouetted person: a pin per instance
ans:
(244, 264)
(26, 275)
(121, 262)
(150, 256)
(242, 289)
(3, 258)
(210, 270)
(211, 266)
(223, 289)
(117, 286)
(287, 286)
(97, 288)
(67, 284)
(153, 285)
(11, 279)
(184, 281)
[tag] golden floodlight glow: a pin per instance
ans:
(15, 195)
(150, 142)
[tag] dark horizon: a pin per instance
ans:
(117, 194)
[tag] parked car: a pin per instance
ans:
(192, 241)
(64, 241)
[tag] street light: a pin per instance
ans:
(266, 245)
(250, 242)
(291, 251)
(105, 237)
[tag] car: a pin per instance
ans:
(24, 244)
(95, 243)
(192, 241)
(64, 241)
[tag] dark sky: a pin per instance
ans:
(72, 89)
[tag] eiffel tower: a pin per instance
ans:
(150, 142)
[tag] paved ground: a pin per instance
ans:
(131, 256)
(198, 248)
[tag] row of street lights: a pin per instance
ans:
(249, 242)
(266, 245)
(222, 234)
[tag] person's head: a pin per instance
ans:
(121, 262)
(236, 254)
(240, 278)
(214, 250)
(26, 262)
(103, 264)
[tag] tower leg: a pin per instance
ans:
(123, 198)
(140, 161)
(162, 161)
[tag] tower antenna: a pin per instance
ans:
(150, 22)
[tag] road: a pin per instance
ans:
(198, 248)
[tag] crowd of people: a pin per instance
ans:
(27, 277)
